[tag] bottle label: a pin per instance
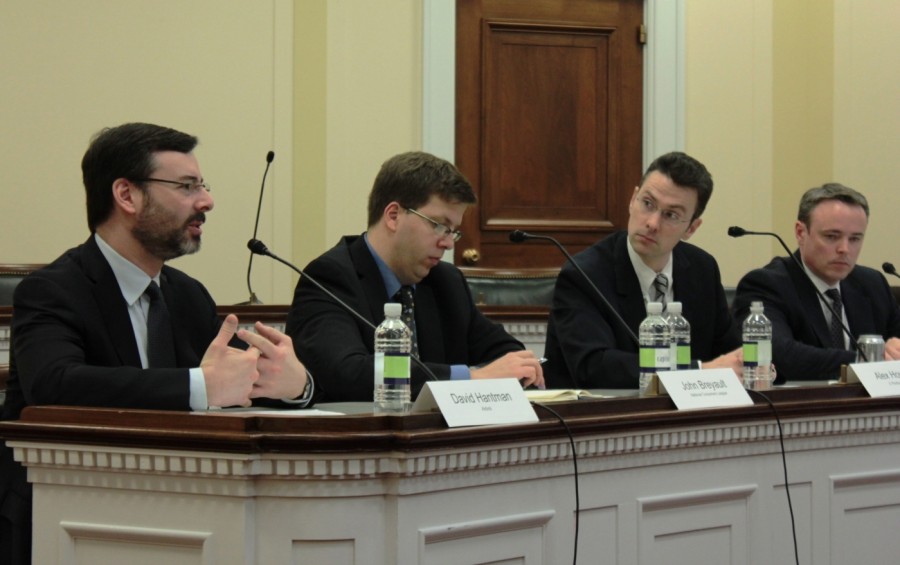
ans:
(392, 369)
(655, 358)
(757, 353)
(683, 356)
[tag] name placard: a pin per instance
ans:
(706, 388)
(476, 403)
(881, 378)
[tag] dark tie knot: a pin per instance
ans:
(153, 291)
(661, 283)
(834, 294)
(406, 295)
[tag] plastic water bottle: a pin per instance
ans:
(680, 330)
(757, 349)
(392, 344)
(656, 346)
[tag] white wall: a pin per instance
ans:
(236, 74)
(208, 67)
(867, 117)
(728, 93)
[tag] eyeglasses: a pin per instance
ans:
(440, 229)
(186, 188)
(648, 207)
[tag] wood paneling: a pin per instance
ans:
(549, 123)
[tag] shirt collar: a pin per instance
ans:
(645, 274)
(132, 280)
(391, 282)
(820, 284)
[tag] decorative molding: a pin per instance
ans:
(49, 462)
(865, 479)
(126, 534)
(486, 527)
(688, 499)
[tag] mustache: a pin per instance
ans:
(198, 217)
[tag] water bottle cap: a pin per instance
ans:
(756, 306)
(654, 308)
(392, 309)
(674, 308)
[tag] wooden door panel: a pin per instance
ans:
(546, 101)
(548, 123)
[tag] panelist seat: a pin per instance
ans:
(10, 276)
(509, 287)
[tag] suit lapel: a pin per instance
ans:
(681, 275)
(628, 288)
(860, 317)
(809, 302)
(370, 281)
(113, 309)
(185, 355)
(430, 341)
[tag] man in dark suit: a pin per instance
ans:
(86, 331)
(808, 342)
(586, 347)
(415, 206)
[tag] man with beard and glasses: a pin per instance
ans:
(109, 324)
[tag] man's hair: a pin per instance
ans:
(829, 191)
(411, 179)
(685, 171)
(124, 151)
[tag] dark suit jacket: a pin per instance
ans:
(73, 343)
(800, 336)
(587, 348)
(338, 348)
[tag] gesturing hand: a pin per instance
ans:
(229, 373)
(281, 374)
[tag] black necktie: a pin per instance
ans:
(408, 315)
(661, 286)
(837, 329)
(160, 342)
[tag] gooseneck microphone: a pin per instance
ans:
(518, 236)
(735, 231)
(257, 247)
(889, 269)
(270, 156)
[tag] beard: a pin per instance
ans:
(162, 236)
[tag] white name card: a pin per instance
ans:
(476, 403)
(881, 378)
(707, 388)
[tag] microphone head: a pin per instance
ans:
(257, 247)
(517, 236)
(270, 156)
(735, 231)
(888, 268)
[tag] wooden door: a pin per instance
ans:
(548, 124)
